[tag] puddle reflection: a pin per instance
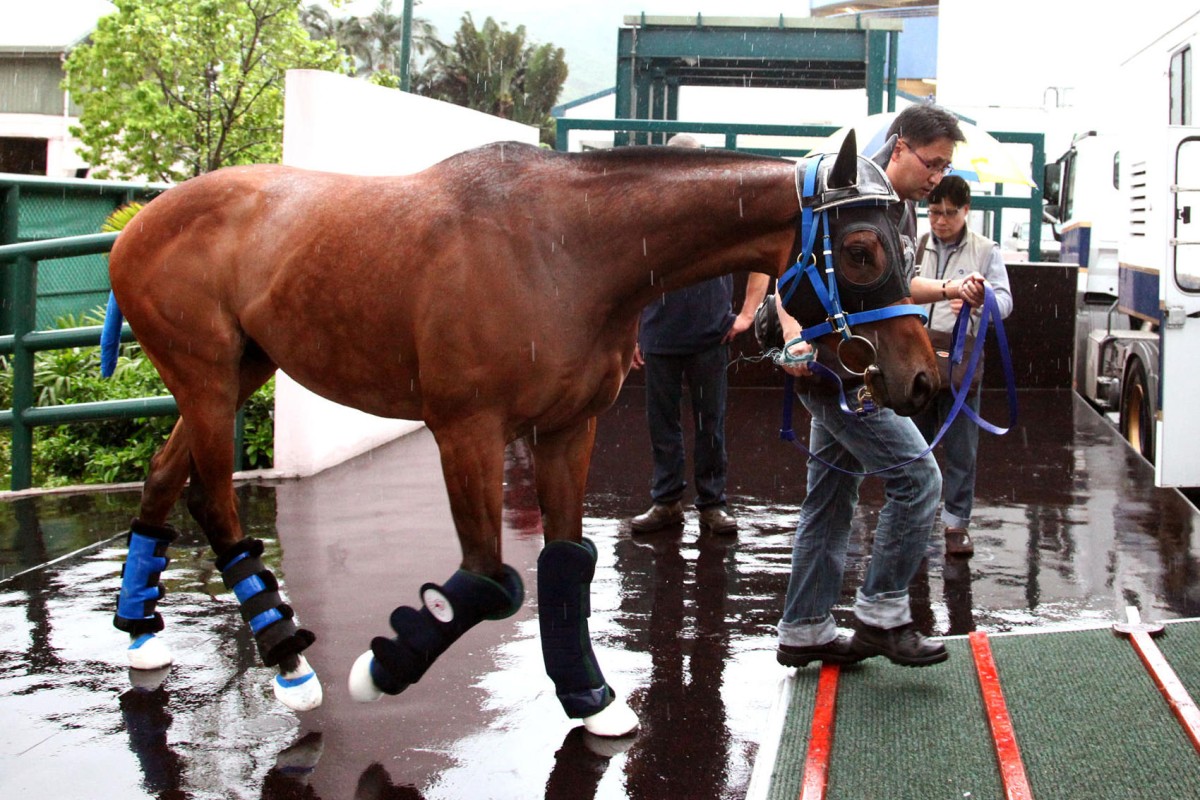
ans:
(1068, 529)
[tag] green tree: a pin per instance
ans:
(496, 71)
(171, 89)
(373, 42)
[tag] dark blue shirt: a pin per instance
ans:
(688, 320)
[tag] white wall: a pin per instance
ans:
(340, 124)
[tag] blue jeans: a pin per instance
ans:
(705, 373)
(911, 494)
(959, 446)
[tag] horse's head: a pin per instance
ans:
(850, 290)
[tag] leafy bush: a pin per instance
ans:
(111, 451)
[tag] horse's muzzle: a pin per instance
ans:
(919, 393)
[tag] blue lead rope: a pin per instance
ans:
(990, 316)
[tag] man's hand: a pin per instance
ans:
(638, 361)
(741, 323)
(797, 350)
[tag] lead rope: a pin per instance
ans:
(990, 317)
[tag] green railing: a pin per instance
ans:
(734, 131)
(24, 416)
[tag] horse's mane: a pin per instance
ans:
(635, 156)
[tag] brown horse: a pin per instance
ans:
(495, 296)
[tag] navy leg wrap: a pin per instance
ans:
(140, 589)
(447, 612)
(269, 618)
(565, 571)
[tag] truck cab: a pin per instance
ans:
(1126, 208)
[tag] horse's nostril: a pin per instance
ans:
(923, 389)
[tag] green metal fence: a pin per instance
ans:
(22, 262)
(735, 132)
(36, 208)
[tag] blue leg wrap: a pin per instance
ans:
(565, 571)
(140, 589)
(269, 618)
(447, 612)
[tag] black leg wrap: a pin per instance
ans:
(263, 609)
(140, 588)
(447, 613)
(565, 571)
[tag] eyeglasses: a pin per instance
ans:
(932, 166)
(935, 213)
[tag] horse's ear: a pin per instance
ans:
(885, 153)
(845, 168)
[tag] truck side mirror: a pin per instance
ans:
(1051, 184)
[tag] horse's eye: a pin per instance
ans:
(858, 264)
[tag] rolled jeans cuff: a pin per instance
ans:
(808, 634)
(955, 521)
(887, 610)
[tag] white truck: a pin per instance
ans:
(1127, 210)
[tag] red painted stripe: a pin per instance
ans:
(1008, 755)
(1169, 684)
(820, 738)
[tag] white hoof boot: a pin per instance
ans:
(299, 690)
(148, 652)
(362, 685)
(615, 720)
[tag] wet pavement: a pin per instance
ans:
(1068, 529)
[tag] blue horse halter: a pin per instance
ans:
(814, 214)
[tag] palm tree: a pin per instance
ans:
(494, 70)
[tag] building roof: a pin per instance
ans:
(50, 26)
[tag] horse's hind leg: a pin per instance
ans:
(211, 501)
(484, 587)
(565, 570)
(148, 539)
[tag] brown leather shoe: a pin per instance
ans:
(904, 645)
(958, 543)
(838, 651)
(715, 519)
(659, 516)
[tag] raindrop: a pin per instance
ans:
(741, 212)
(644, 251)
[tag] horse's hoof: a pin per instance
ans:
(613, 721)
(362, 685)
(148, 652)
(299, 689)
(607, 746)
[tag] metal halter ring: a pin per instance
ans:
(856, 355)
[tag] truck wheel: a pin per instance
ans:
(1137, 425)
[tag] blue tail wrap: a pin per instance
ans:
(263, 609)
(140, 588)
(447, 612)
(565, 571)
(110, 337)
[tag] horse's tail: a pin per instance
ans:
(110, 337)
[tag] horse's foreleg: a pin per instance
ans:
(565, 570)
(483, 588)
(148, 539)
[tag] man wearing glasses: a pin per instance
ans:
(912, 490)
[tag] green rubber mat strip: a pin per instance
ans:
(1089, 721)
(793, 743)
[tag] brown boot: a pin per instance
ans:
(958, 543)
(659, 516)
